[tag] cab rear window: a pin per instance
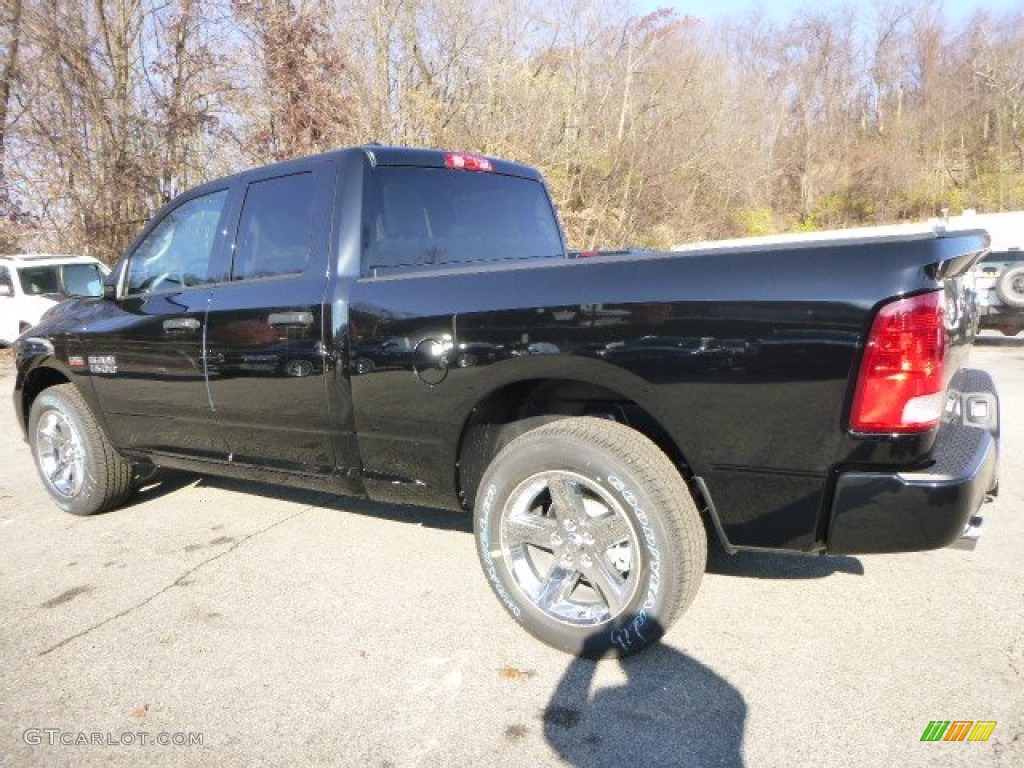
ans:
(423, 217)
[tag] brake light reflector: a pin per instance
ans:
(463, 162)
(900, 387)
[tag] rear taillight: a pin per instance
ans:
(467, 162)
(901, 385)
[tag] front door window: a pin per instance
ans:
(176, 254)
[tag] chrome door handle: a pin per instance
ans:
(291, 318)
(181, 324)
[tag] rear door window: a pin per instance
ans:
(275, 231)
(434, 216)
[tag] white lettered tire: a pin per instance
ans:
(589, 536)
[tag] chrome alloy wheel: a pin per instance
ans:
(298, 368)
(60, 454)
(571, 548)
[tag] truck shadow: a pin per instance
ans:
(672, 710)
(429, 517)
(153, 483)
(758, 565)
(769, 565)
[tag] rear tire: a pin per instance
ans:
(78, 466)
(589, 537)
(1010, 287)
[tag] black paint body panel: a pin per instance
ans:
(923, 509)
(746, 360)
(742, 359)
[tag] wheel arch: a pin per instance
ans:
(36, 381)
(510, 410)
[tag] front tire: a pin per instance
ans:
(78, 466)
(589, 537)
(298, 368)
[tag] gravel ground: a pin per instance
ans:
(285, 627)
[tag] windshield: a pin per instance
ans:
(62, 280)
(430, 216)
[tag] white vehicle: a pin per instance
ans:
(32, 283)
(999, 277)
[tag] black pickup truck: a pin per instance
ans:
(407, 325)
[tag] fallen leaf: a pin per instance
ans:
(511, 673)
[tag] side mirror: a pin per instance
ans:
(110, 285)
(79, 286)
(6, 289)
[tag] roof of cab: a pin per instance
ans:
(377, 156)
(436, 158)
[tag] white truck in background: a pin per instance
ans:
(999, 277)
(32, 283)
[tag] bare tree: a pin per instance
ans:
(12, 23)
(650, 129)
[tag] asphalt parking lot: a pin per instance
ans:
(283, 627)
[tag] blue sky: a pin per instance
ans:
(956, 9)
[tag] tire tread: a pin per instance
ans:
(662, 480)
(650, 473)
(113, 474)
